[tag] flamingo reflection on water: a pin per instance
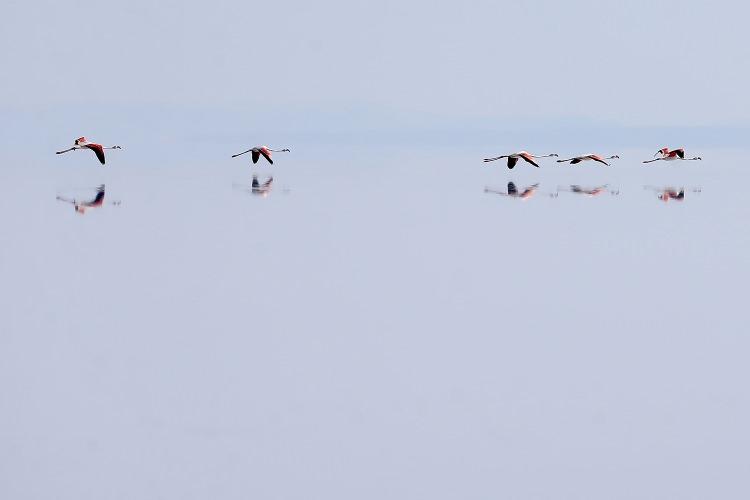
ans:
(668, 193)
(81, 206)
(261, 189)
(513, 192)
(256, 187)
(593, 191)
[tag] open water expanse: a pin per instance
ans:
(376, 325)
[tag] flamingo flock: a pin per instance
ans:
(512, 159)
(664, 154)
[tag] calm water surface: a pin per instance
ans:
(375, 325)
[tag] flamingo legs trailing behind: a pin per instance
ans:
(265, 151)
(579, 159)
(82, 143)
(525, 155)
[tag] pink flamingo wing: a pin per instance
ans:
(98, 150)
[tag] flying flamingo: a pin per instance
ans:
(579, 159)
(675, 154)
(82, 143)
(81, 206)
(262, 150)
(513, 158)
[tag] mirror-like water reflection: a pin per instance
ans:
(389, 300)
(256, 187)
(513, 192)
(82, 205)
(590, 191)
(667, 193)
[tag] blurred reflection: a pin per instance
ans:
(256, 187)
(81, 206)
(513, 191)
(589, 191)
(668, 193)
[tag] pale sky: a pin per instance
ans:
(641, 63)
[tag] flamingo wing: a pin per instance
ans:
(98, 150)
(596, 158)
(575, 160)
(512, 160)
(98, 200)
(256, 156)
(266, 155)
(528, 159)
(679, 152)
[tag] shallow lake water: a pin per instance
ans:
(377, 324)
